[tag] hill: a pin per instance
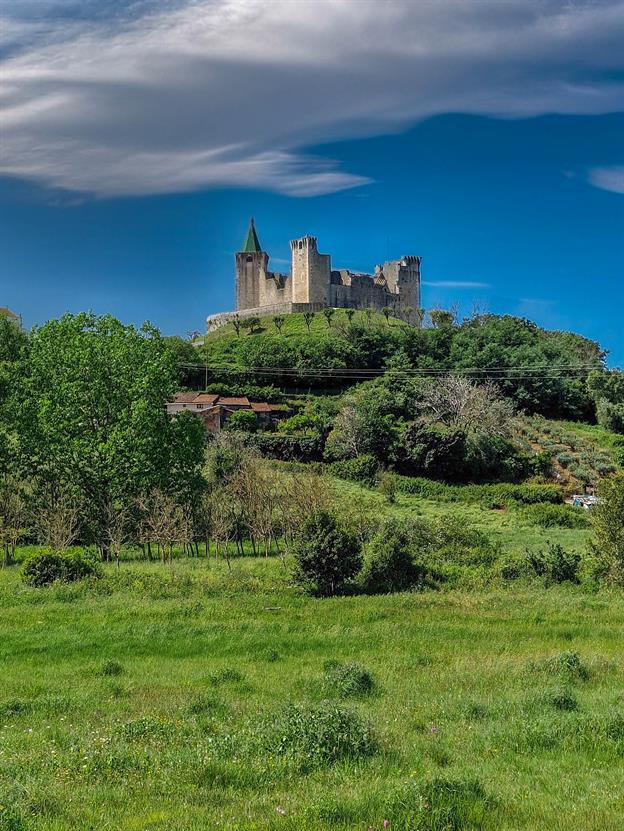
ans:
(541, 371)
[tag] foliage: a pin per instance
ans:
(244, 420)
(318, 735)
(363, 469)
(607, 389)
(92, 418)
(555, 516)
(555, 563)
(326, 557)
(608, 526)
(490, 495)
(347, 680)
(441, 805)
(45, 567)
(528, 359)
(288, 448)
(389, 560)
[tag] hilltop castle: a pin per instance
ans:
(313, 285)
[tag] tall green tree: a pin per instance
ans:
(93, 417)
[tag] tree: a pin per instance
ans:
(251, 323)
(349, 313)
(386, 311)
(328, 312)
(462, 404)
(420, 316)
(608, 524)
(278, 322)
(607, 389)
(244, 420)
(408, 311)
(326, 556)
(441, 318)
(237, 323)
(93, 420)
(308, 317)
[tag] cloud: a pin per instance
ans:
(607, 178)
(156, 96)
(456, 284)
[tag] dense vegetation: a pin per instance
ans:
(373, 613)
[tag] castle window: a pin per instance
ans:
(250, 259)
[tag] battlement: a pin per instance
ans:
(304, 242)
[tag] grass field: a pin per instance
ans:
(157, 698)
(294, 324)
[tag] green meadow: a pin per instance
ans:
(196, 695)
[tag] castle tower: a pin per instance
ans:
(310, 272)
(251, 266)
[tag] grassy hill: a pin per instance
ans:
(295, 325)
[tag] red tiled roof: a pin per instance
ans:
(260, 407)
(184, 397)
(205, 398)
(232, 402)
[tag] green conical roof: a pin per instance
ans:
(252, 243)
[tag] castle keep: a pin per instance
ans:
(313, 285)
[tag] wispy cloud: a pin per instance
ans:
(456, 284)
(607, 178)
(150, 96)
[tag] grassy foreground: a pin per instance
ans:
(154, 699)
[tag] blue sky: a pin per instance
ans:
(138, 138)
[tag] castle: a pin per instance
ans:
(313, 285)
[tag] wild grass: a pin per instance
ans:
(496, 709)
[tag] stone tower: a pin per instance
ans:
(311, 272)
(251, 266)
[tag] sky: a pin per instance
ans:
(137, 138)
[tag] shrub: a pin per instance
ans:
(440, 805)
(363, 469)
(326, 556)
(244, 420)
(555, 563)
(567, 664)
(389, 564)
(44, 567)
(345, 680)
(317, 735)
(388, 487)
(288, 448)
(555, 516)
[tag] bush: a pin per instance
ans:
(345, 680)
(363, 469)
(490, 495)
(389, 564)
(555, 516)
(288, 448)
(319, 735)
(440, 805)
(555, 563)
(326, 556)
(244, 420)
(44, 567)
(567, 664)
(388, 487)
